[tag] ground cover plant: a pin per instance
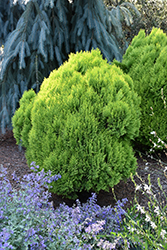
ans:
(145, 62)
(81, 124)
(29, 221)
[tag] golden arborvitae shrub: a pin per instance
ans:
(145, 61)
(82, 122)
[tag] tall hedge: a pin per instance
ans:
(81, 124)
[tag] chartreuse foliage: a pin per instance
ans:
(146, 62)
(82, 122)
(22, 119)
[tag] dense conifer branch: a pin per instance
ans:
(9, 16)
(43, 33)
(90, 23)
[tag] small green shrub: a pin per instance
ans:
(82, 122)
(145, 61)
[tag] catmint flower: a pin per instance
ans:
(46, 228)
(95, 228)
(1, 214)
(15, 177)
(30, 232)
(76, 215)
(32, 163)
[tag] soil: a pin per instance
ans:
(14, 160)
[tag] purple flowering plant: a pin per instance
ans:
(29, 221)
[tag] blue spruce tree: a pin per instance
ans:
(38, 35)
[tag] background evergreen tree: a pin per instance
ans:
(9, 16)
(38, 35)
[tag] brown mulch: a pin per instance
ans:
(14, 160)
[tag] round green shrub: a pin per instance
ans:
(82, 122)
(145, 61)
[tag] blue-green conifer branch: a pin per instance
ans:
(38, 36)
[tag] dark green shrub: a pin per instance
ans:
(83, 120)
(146, 63)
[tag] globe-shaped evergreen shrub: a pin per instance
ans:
(82, 122)
(145, 61)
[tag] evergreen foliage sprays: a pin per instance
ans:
(81, 124)
(145, 61)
